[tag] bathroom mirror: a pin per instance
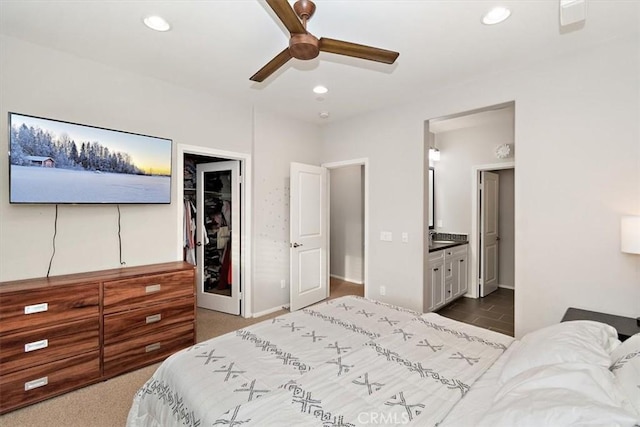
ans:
(432, 199)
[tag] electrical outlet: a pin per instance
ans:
(405, 237)
(283, 284)
(383, 290)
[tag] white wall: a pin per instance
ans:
(392, 142)
(48, 83)
(347, 223)
(278, 142)
(460, 151)
(567, 185)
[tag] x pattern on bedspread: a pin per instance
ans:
(334, 364)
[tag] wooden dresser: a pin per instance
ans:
(66, 332)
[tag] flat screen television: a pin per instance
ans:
(53, 161)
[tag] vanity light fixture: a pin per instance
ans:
(630, 234)
(496, 15)
(156, 23)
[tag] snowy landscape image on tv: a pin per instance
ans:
(60, 162)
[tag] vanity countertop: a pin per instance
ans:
(438, 246)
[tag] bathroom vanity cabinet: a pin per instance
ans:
(448, 274)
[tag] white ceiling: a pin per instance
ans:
(215, 46)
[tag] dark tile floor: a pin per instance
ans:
(494, 312)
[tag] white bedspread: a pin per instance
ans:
(346, 362)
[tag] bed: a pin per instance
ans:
(353, 361)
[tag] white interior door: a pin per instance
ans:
(489, 238)
(308, 235)
(218, 236)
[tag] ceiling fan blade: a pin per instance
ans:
(286, 14)
(272, 66)
(357, 50)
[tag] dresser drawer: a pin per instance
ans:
(31, 348)
(131, 293)
(146, 349)
(127, 325)
(32, 385)
(48, 306)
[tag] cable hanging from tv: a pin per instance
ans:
(55, 233)
(120, 238)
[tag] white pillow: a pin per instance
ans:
(564, 394)
(626, 369)
(580, 341)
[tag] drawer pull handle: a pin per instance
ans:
(154, 318)
(152, 288)
(36, 345)
(30, 385)
(36, 308)
(152, 347)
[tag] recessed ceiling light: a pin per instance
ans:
(496, 15)
(320, 89)
(157, 23)
(324, 114)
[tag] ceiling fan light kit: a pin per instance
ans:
(305, 46)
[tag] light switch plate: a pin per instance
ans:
(386, 236)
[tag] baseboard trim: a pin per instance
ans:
(346, 279)
(270, 310)
(507, 287)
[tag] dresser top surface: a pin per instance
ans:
(94, 276)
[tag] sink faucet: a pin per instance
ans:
(431, 234)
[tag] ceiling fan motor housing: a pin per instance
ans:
(303, 46)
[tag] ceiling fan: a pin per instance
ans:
(304, 45)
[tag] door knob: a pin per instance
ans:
(295, 245)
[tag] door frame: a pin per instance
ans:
(474, 265)
(246, 213)
(364, 162)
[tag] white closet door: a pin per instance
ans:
(218, 236)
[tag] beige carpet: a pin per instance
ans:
(107, 404)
